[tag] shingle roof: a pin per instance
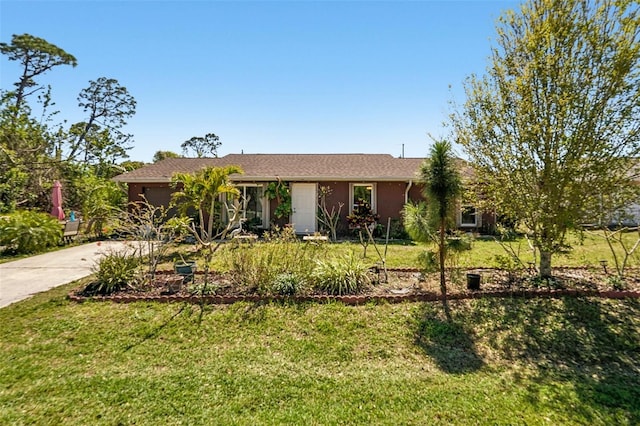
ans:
(299, 167)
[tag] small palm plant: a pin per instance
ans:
(442, 187)
(201, 191)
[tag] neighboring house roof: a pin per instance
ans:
(290, 167)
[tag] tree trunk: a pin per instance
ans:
(212, 211)
(443, 284)
(545, 264)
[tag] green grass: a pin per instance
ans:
(586, 251)
(567, 361)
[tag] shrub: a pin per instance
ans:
(617, 282)
(397, 230)
(510, 264)
(362, 215)
(203, 289)
(178, 226)
(102, 202)
(287, 284)
(258, 265)
(343, 275)
(26, 232)
(428, 260)
(285, 234)
(459, 243)
(115, 271)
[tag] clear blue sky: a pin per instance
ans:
(267, 76)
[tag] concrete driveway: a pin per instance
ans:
(22, 278)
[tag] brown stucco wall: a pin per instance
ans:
(339, 193)
(390, 198)
(156, 193)
(415, 193)
(488, 222)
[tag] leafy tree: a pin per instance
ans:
(36, 56)
(12, 182)
(72, 175)
(130, 165)
(25, 163)
(162, 155)
(202, 146)
(108, 105)
(26, 142)
(31, 149)
(280, 192)
(103, 201)
(442, 189)
(200, 191)
(555, 122)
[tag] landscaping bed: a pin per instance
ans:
(402, 284)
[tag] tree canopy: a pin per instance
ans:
(555, 122)
(162, 155)
(202, 146)
(108, 105)
(200, 191)
(35, 150)
(36, 56)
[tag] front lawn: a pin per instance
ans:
(495, 361)
(587, 251)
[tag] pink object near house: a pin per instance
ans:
(56, 201)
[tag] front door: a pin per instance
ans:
(303, 207)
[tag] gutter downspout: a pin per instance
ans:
(406, 191)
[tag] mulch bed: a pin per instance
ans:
(402, 285)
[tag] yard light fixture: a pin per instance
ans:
(604, 266)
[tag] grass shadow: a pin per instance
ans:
(446, 340)
(590, 344)
(258, 312)
(155, 331)
(598, 343)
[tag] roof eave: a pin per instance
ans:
(142, 180)
(244, 178)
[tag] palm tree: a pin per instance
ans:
(442, 187)
(201, 190)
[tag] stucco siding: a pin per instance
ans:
(156, 194)
(390, 200)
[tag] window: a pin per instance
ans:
(252, 197)
(468, 216)
(363, 194)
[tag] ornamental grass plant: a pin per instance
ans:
(341, 275)
(259, 265)
(115, 271)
